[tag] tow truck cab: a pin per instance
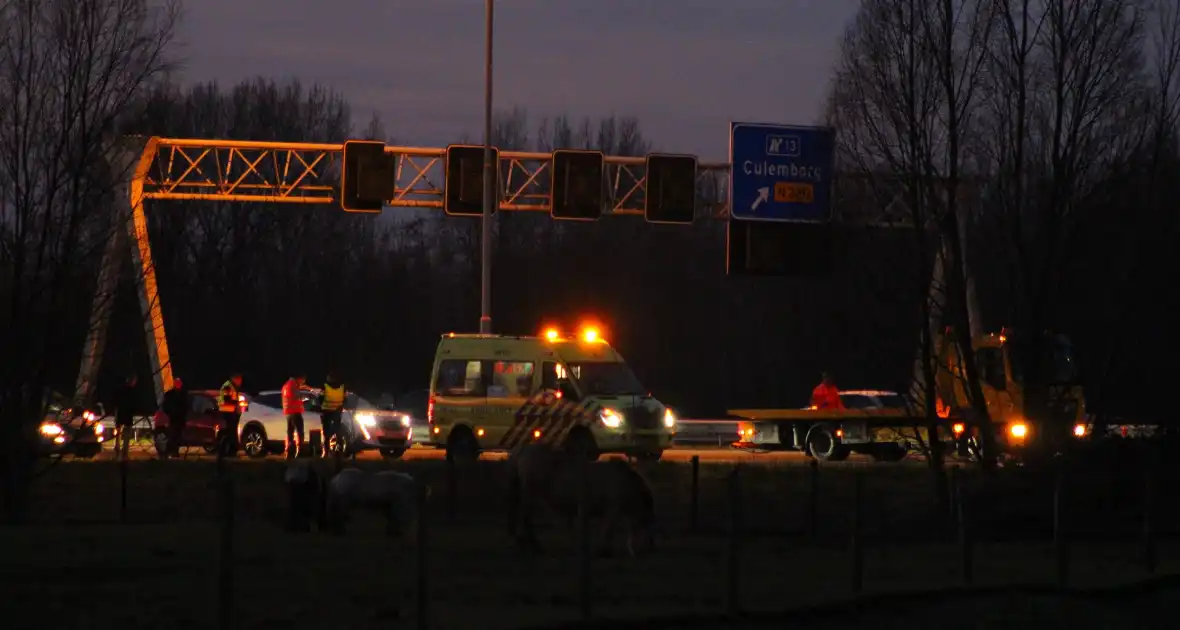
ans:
(495, 392)
(1002, 383)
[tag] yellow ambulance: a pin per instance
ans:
(495, 392)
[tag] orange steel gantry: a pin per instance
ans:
(306, 173)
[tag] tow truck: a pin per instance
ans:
(889, 434)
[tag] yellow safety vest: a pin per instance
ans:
(228, 399)
(333, 398)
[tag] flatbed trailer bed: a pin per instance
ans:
(831, 434)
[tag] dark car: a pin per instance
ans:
(70, 430)
(200, 428)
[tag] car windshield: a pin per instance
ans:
(1060, 368)
(606, 379)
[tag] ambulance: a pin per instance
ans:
(495, 392)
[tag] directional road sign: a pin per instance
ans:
(781, 172)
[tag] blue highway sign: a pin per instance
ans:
(781, 172)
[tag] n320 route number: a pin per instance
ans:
(793, 192)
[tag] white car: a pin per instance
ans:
(263, 428)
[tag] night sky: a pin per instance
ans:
(684, 67)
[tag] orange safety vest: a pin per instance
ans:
(292, 402)
(227, 400)
(825, 397)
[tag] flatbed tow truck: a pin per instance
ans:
(890, 434)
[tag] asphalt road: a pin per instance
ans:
(677, 454)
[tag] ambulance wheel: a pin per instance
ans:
(824, 445)
(392, 454)
(581, 442)
(461, 445)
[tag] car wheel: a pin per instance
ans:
(649, 456)
(254, 442)
(160, 442)
(461, 445)
(392, 454)
(581, 443)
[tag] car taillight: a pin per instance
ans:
(430, 410)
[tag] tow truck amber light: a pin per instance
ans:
(1079, 430)
(590, 334)
(551, 334)
(1018, 430)
(958, 428)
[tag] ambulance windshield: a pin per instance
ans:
(613, 378)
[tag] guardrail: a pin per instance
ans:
(720, 432)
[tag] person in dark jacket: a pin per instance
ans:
(124, 415)
(175, 405)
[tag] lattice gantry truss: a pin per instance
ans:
(298, 172)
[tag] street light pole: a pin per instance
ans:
(489, 177)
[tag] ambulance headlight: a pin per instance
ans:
(611, 419)
(669, 419)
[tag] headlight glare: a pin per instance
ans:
(610, 418)
(669, 418)
(50, 429)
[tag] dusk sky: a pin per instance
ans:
(685, 68)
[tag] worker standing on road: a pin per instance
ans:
(175, 406)
(826, 395)
(124, 415)
(231, 413)
(330, 414)
(293, 408)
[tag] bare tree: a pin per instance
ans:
(1064, 81)
(70, 71)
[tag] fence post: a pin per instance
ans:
(1060, 550)
(733, 541)
(966, 559)
(856, 545)
(812, 524)
(422, 569)
(225, 577)
(123, 490)
(694, 499)
(452, 490)
(1149, 558)
(584, 594)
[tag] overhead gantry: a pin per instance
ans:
(308, 173)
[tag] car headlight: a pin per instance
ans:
(98, 428)
(366, 419)
(669, 418)
(406, 421)
(89, 416)
(50, 429)
(610, 418)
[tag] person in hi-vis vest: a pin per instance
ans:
(330, 414)
(230, 408)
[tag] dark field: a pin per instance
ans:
(83, 568)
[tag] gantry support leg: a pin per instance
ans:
(133, 157)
